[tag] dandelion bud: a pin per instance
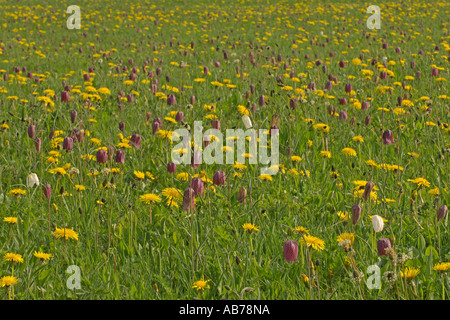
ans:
(47, 190)
(356, 213)
(37, 144)
(242, 195)
(198, 186)
(120, 156)
(367, 190)
(73, 116)
(171, 167)
(188, 199)
(32, 131)
(102, 156)
(68, 144)
(382, 245)
(377, 223)
(180, 116)
(219, 178)
(135, 141)
(290, 250)
(442, 212)
(388, 137)
(32, 179)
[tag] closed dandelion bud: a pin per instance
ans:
(434, 72)
(155, 127)
(31, 131)
(388, 137)
(242, 195)
(101, 156)
(262, 100)
(32, 179)
(382, 245)
(37, 144)
(238, 260)
(215, 123)
(188, 199)
(68, 144)
(180, 116)
(356, 213)
(171, 167)
(120, 156)
(135, 140)
(367, 120)
(121, 126)
(73, 116)
(377, 223)
(343, 115)
(290, 251)
(348, 88)
(219, 178)
(367, 190)
(442, 212)
(47, 190)
(198, 186)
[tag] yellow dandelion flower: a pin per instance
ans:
(42, 255)
(201, 284)
(10, 220)
(409, 273)
(13, 257)
(314, 242)
(149, 198)
(250, 227)
(65, 233)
